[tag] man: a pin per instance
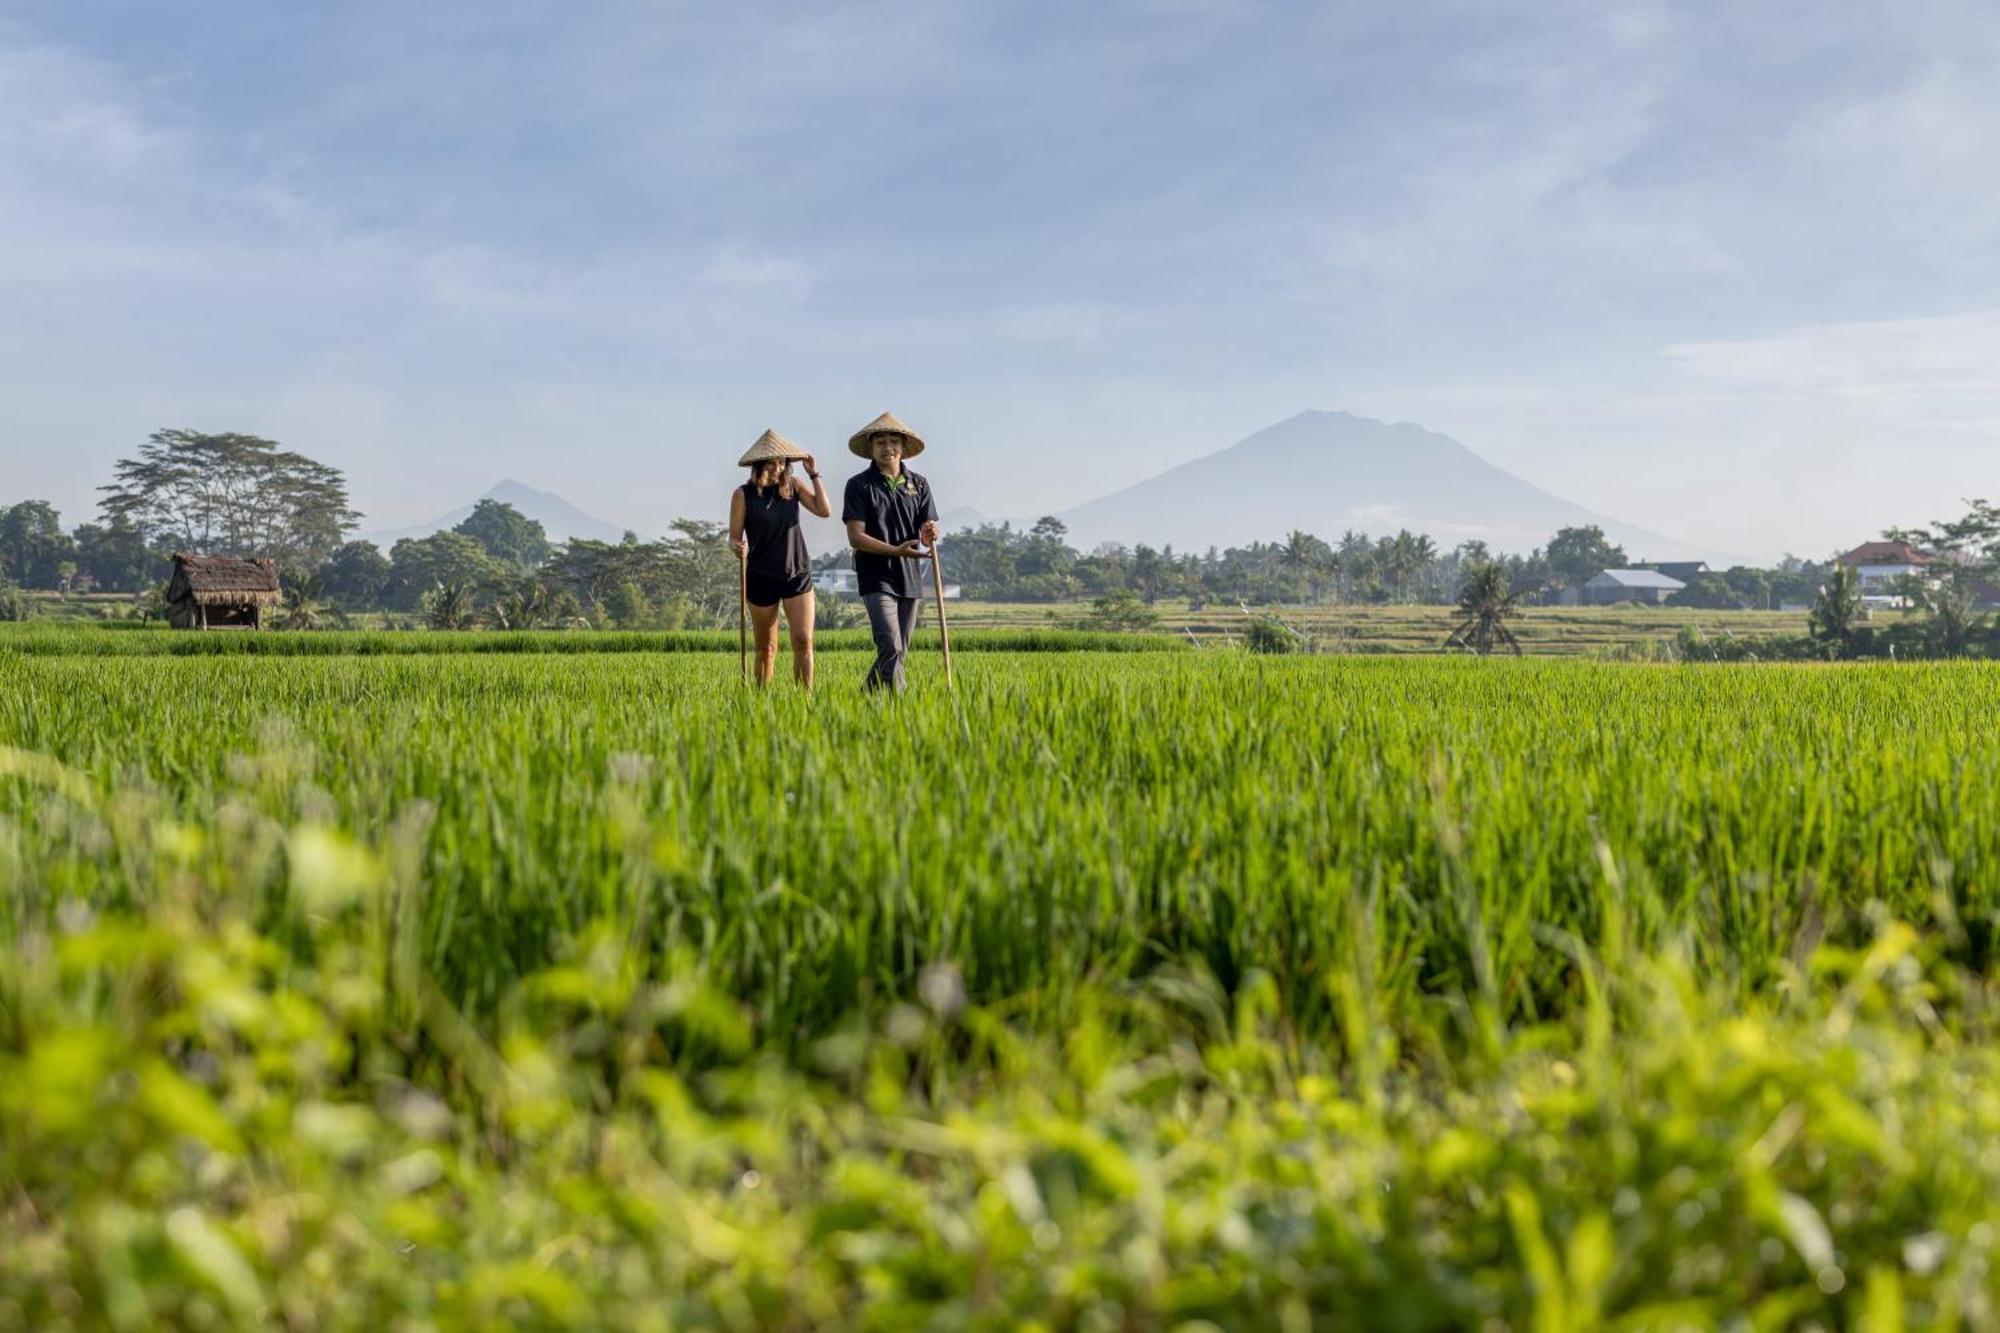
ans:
(891, 522)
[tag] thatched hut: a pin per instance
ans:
(220, 591)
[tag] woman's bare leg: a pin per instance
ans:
(764, 633)
(799, 623)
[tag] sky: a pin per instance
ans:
(1727, 271)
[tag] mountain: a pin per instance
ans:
(558, 517)
(1326, 472)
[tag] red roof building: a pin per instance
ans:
(1883, 553)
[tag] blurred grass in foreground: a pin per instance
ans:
(201, 1129)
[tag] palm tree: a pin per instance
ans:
(1838, 609)
(303, 602)
(449, 606)
(1422, 553)
(1404, 556)
(529, 606)
(1485, 601)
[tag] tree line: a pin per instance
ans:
(1002, 563)
(243, 495)
(240, 494)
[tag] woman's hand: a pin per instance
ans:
(812, 466)
(741, 545)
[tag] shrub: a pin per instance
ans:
(1120, 611)
(1268, 635)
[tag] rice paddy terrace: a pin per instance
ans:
(1544, 631)
(1112, 990)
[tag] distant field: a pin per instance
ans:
(131, 639)
(1543, 631)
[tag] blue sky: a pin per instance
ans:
(1728, 271)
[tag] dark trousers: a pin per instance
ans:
(892, 620)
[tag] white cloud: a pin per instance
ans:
(1918, 364)
(740, 265)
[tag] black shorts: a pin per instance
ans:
(770, 589)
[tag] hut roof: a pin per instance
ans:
(226, 580)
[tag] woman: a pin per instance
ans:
(764, 529)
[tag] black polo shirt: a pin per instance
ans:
(888, 514)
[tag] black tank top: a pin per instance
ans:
(777, 543)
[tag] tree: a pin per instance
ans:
(303, 602)
(509, 536)
(418, 565)
(1751, 586)
(1409, 554)
(529, 604)
(1707, 592)
(1576, 555)
(231, 494)
(1838, 609)
(357, 575)
(1964, 557)
(1308, 560)
(1797, 580)
(1048, 551)
(1149, 571)
(116, 557)
(698, 564)
(1485, 602)
(1971, 542)
(33, 547)
(627, 607)
(449, 605)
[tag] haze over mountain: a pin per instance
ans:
(1326, 472)
(560, 519)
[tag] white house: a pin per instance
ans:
(1881, 567)
(839, 582)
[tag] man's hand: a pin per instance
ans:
(914, 550)
(929, 533)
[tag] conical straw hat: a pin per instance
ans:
(770, 445)
(858, 442)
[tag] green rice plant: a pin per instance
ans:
(1055, 820)
(1108, 989)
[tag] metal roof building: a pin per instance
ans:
(1630, 585)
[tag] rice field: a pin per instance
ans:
(1544, 631)
(1111, 990)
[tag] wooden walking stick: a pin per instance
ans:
(944, 629)
(743, 615)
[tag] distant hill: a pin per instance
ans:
(1326, 472)
(558, 517)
